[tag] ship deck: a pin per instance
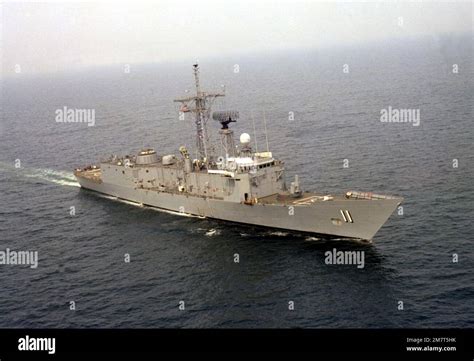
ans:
(307, 198)
(92, 174)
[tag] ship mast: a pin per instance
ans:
(200, 105)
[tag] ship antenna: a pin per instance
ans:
(200, 120)
(254, 132)
(196, 78)
(202, 110)
(265, 124)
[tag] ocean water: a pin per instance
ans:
(175, 258)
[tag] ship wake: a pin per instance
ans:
(62, 178)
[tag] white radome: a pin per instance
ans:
(244, 138)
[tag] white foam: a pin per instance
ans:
(212, 232)
(182, 214)
(278, 233)
(63, 178)
(310, 239)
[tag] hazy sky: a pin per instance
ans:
(44, 37)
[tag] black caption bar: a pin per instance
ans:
(52, 343)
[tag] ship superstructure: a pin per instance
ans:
(232, 183)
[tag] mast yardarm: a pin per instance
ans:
(200, 105)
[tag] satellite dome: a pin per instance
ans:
(244, 138)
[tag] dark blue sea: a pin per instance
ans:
(173, 258)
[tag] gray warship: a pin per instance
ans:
(233, 183)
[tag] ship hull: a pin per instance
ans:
(367, 216)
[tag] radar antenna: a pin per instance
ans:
(227, 135)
